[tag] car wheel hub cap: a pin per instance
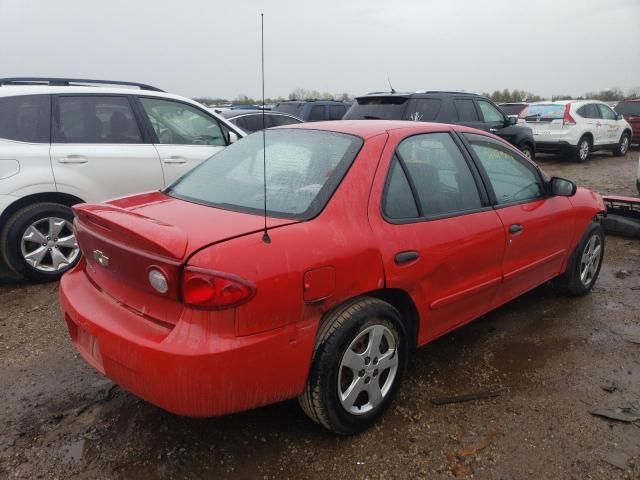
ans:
(49, 244)
(590, 260)
(584, 150)
(367, 370)
(625, 145)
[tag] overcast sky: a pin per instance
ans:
(212, 48)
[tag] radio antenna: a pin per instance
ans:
(390, 86)
(265, 236)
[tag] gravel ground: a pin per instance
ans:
(552, 359)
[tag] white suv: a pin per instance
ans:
(577, 127)
(63, 141)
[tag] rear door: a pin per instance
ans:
(440, 240)
(184, 135)
(538, 227)
(591, 117)
(98, 149)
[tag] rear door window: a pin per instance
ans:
(422, 109)
(590, 110)
(441, 176)
(95, 119)
(316, 113)
(465, 110)
(25, 118)
(336, 112)
(399, 202)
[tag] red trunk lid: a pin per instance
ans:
(123, 239)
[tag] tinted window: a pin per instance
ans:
(628, 108)
(252, 123)
(399, 202)
(422, 109)
(25, 118)
(316, 113)
(278, 120)
(177, 123)
(377, 108)
(303, 169)
(490, 113)
(512, 178)
(465, 110)
(95, 119)
(336, 112)
(606, 112)
(293, 108)
(589, 111)
(512, 109)
(440, 174)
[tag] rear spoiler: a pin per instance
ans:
(623, 216)
(131, 229)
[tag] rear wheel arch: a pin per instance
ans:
(47, 197)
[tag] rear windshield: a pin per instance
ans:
(291, 108)
(512, 109)
(377, 108)
(628, 108)
(304, 167)
(551, 110)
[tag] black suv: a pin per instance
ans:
(444, 107)
(314, 110)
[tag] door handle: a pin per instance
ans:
(73, 159)
(406, 257)
(175, 160)
(515, 228)
(493, 130)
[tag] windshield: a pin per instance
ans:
(291, 108)
(377, 108)
(551, 110)
(304, 167)
(628, 108)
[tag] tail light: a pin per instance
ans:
(524, 113)
(209, 289)
(568, 119)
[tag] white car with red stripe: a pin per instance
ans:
(578, 127)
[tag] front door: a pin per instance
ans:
(440, 240)
(185, 136)
(538, 227)
(98, 151)
(611, 127)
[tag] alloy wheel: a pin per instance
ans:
(49, 244)
(590, 260)
(367, 370)
(584, 150)
(624, 145)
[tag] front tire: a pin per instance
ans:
(582, 150)
(360, 356)
(38, 242)
(584, 266)
(623, 146)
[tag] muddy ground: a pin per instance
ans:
(552, 359)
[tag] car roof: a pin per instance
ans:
(371, 128)
(418, 93)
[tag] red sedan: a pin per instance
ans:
(380, 236)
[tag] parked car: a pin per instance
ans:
(378, 237)
(313, 110)
(577, 127)
(251, 120)
(638, 178)
(444, 107)
(63, 142)
(630, 110)
(513, 109)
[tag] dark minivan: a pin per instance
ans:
(630, 110)
(459, 108)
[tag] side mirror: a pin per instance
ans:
(512, 120)
(562, 187)
(233, 137)
(619, 117)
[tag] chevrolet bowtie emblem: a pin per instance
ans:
(101, 258)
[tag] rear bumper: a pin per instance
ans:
(191, 369)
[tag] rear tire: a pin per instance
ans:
(582, 150)
(623, 146)
(585, 263)
(360, 356)
(38, 242)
